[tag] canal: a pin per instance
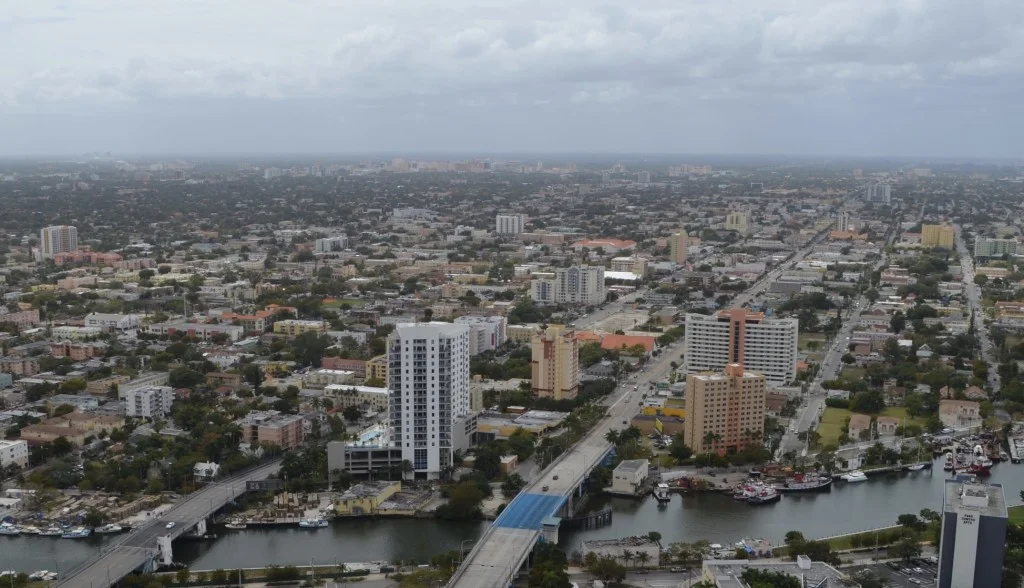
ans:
(717, 518)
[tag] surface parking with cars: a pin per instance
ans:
(899, 574)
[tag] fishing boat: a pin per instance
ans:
(237, 525)
(77, 533)
(765, 495)
(745, 490)
(29, 530)
(948, 466)
(854, 476)
(808, 483)
(661, 493)
(111, 528)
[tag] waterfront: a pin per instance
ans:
(717, 518)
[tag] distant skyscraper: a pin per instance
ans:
(879, 193)
(843, 221)
(58, 239)
(677, 245)
(938, 236)
(428, 375)
(985, 247)
(973, 536)
(738, 221)
(555, 369)
(643, 177)
(509, 224)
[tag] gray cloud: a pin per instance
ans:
(787, 76)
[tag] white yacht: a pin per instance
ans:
(854, 476)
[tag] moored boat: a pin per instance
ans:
(915, 467)
(111, 528)
(661, 493)
(9, 529)
(77, 533)
(801, 483)
(765, 495)
(854, 476)
(52, 531)
(317, 523)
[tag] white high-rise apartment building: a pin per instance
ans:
(329, 244)
(428, 375)
(57, 239)
(509, 224)
(880, 193)
(842, 219)
(152, 402)
(766, 346)
(570, 285)
(486, 333)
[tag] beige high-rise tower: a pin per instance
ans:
(678, 243)
(724, 410)
(555, 363)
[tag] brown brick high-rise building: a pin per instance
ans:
(725, 411)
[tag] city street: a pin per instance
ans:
(973, 293)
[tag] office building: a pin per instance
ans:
(842, 220)
(331, 244)
(739, 222)
(486, 333)
(677, 244)
(878, 194)
(938, 236)
(973, 536)
(13, 453)
(295, 327)
(763, 345)
(509, 224)
(428, 365)
(570, 285)
(151, 402)
(725, 410)
(643, 177)
(985, 247)
(112, 322)
(555, 363)
(57, 239)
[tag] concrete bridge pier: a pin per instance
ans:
(200, 529)
(166, 555)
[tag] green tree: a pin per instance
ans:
(513, 484)
(463, 501)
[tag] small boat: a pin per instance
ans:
(801, 483)
(317, 523)
(51, 531)
(236, 525)
(915, 467)
(9, 529)
(29, 530)
(77, 533)
(854, 476)
(111, 528)
(948, 466)
(765, 495)
(661, 493)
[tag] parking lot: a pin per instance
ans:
(921, 572)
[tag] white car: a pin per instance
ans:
(170, 525)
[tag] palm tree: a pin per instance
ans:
(627, 556)
(406, 468)
(643, 557)
(612, 436)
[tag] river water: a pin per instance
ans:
(717, 518)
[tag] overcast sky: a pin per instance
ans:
(857, 77)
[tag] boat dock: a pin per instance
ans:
(904, 467)
(1016, 449)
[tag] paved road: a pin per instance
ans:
(135, 548)
(973, 293)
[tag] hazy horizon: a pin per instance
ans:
(845, 78)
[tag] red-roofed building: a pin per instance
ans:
(617, 342)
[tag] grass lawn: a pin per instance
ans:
(804, 338)
(1016, 514)
(336, 303)
(831, 425)
(901, 413)
(852, 373)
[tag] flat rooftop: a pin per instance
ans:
(632, 465)
(727, 573)
(963, 494)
